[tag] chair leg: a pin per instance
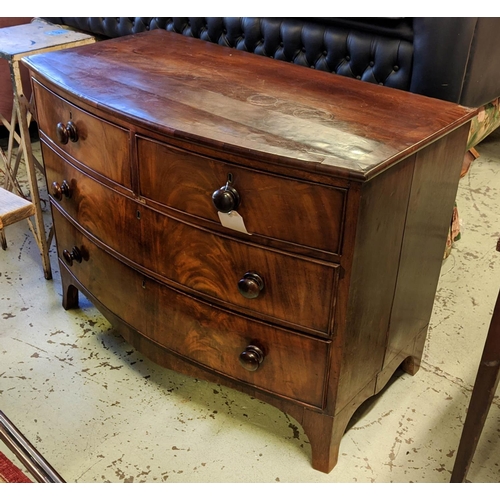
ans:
(21, 104)
(486, 383)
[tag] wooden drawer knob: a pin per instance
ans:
(251, 285)
(226, 198)
(66, 132)
(58, 190)
(74, 256)
(251, 358)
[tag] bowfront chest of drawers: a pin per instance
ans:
(251, 222)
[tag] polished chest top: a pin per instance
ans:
(269, 109)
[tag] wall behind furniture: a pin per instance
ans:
(5, 83)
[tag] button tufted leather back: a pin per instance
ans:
(336, 47)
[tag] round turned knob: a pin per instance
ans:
(226, 199)
(251, 285)
(66, 132)
(74, 255)
(72, 132)
(58, 190)
(62, 133)
(251, 358)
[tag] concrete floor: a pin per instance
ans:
(101, 413)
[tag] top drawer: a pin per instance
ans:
(99, 145)
(300, 212)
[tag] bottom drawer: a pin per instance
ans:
(293, 366)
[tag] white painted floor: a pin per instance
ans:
(100, 412)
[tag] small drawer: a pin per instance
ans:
(272, 359)
(95, 143)
(300, 212)
(299, 292)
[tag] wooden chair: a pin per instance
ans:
(486, 383)
(13, 209)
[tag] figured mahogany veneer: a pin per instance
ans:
(191, 177)
(255, 223)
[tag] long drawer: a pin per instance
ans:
(297, 291)
(294, 365)
(270, 205)
(97, 144)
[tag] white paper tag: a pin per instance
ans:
(233, 220)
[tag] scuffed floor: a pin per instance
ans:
(100, 412)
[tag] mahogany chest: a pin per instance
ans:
(259, 224)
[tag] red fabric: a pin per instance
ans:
(10, 473)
